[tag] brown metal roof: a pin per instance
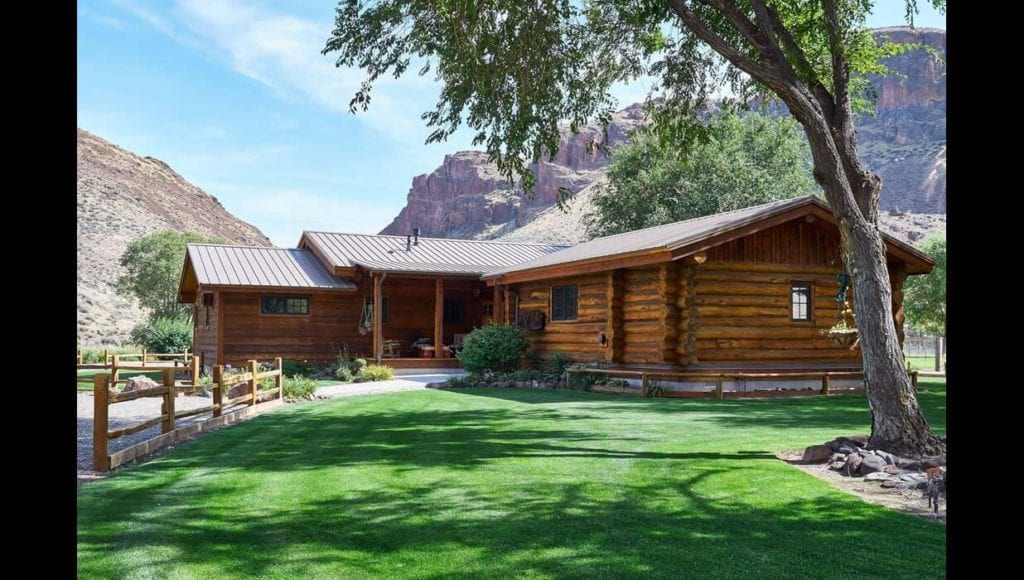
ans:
(216, 265)
(677, 235)
(430, 255)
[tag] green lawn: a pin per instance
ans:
(924, 363)
(88, 374)
(501, 483)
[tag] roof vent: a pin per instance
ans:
(408, 243)
(416, 236)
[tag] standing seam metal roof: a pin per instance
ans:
(675, 235)
(254, 266)
(430, 255)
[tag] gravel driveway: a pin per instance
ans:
(123, 415)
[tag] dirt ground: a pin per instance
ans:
(911, 501)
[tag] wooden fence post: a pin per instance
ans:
(113, 371)
(719, 389)
(938, 354)
(913, 380)
(279, 379)
(825, 383)
(195, 373)
(254, 385)
(645, 382)
(143, 356)
(106, 361)
(100, 457)
(79, 357)
(218, 392)
(168, 425)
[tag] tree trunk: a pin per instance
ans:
(897, 424)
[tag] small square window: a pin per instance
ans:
(800, 301)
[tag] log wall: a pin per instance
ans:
(579, 339)
(204, 336)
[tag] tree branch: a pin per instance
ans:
(779, 29)
(717, 43)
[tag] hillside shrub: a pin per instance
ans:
(164, 335)
(291, 367)
(343, 374)
(493, 348)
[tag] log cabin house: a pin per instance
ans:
(752, 288)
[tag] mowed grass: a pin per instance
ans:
(503, 483)
(85, 376)
(924, 363)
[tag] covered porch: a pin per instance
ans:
(418, 320)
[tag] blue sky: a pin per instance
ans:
(236, 97)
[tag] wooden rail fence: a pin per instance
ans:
(153, 359)
(718, 378)
(103, 397)
(149, 362)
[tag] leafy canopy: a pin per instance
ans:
(924, 297)
(153, 268)
(746, 160)
(512, 70)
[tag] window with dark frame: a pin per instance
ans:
(284, 305)
(454, 310)
(800, 301)
(563, 302)
(488, 309)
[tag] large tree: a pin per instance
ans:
(745, 160)
(512, 70)
(152, 266)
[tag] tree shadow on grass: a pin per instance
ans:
(692, 523)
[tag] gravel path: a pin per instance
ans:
(124, 415)
(395, 385)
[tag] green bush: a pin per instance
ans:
(530, 375)
(583, 381)
(377, 373)
(557, 363)
(533, 359)
(355, 366)
(298, 386)
(292, 367)
(343, 374)
(494, 348)
(654, 389)
(164, 335)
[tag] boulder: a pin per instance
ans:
(837, 465)
(871, 464)
(846, 448)
(859, 440)
(888, 457)
(817, 454)
(890, 483)
(853, 462)
(878, 476)
(139, 383)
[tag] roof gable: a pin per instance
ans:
(680, 239)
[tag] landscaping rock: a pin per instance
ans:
(890, 483)
(837, 465)
(930, 462)
(911, 485)
(139, 383)
(878, 476)
(888, 457)
(859, 440)
(871, 464)
(817, 454)
(847, 449)
(892, 469)
(853, 462)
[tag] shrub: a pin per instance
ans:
(654, 389)
(377, 373)
(495, 347)
(164, 335)
(533, 359)
(343, 374)
(530, 375)
(355, 366)
(583, 381)
(298, 386)
(557, 363)
(294, 367)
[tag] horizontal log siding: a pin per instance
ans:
(644, 313)
(577, 339)
(745, 313)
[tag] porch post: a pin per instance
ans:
(438, 318)
(499, 308)
(378, 338)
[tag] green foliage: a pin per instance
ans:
(343, 374)
(746, 160)
(291, 367)
(924, 297)
(582, 381)
(533, 359)
(298, 386)
(526, 375)
(556, 364)
(164, 334)
(377, 373)
(153, 265)
(655, 389)
(354, 366)
(494, 348)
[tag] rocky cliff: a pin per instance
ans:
(904, 141)
(122, 197)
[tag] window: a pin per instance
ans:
(563, 302)
(368, 306)
(800, 300)
(284, 305)
(454, 310)
(488, 309)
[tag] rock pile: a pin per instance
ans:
(851, 456)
